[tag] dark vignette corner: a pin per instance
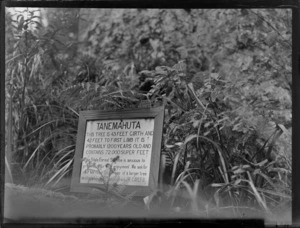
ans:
(295, 121)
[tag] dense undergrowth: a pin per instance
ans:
(224, 77)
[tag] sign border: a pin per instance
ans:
(156, 113)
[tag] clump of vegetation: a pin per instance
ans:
(112, 191)
(224, 77)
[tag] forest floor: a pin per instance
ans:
(24, 204)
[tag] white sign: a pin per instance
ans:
(118, 151)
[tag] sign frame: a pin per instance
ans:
(93, 115)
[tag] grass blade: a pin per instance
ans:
(33, 154)
(174, 167)
(257, 195)
(62, 170)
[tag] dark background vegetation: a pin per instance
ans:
(224, 76)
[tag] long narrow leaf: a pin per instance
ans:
(68, 153)
(76, 113)
(191, 137)
(63, 149)
(274, 193)
(50, 122)
(267, 179)
(275, 138)
(193, 194)
(174, 167)
(34, 153)
(257, 195)
(182, 175)
(64, 168)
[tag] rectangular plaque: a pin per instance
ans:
(120, 148)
